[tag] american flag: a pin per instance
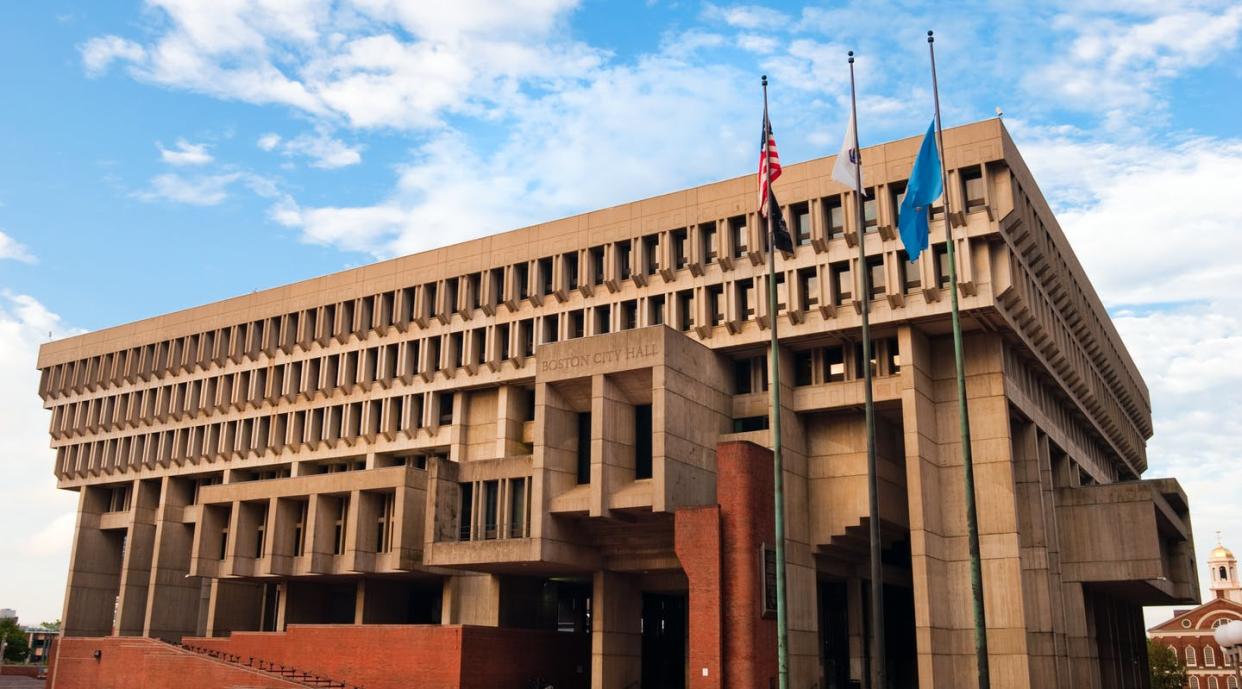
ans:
(769, 163)
(769, 170)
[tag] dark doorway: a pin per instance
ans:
(664, 641)
(834, 632)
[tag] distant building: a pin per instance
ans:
(39, 640)
(8, 614)
(1190, 633)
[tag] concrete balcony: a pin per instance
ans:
(480, 513)
(1132, 539)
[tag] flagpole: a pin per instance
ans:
(972, 517)
(774, 421)
(879, 673)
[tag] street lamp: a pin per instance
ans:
(1229, 638)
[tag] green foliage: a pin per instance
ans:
(16, 648)
(51, 626)
(1165, 665)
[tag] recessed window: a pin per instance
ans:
(715, 304)
(897, 192)
(737, 234)
(642, 441)
(651, 254)
(745, 299)
(711, 242)
(842, 283)
(804, 366)
(624, 251)
(584, 448)
(802, 222)
(602, 319)
(834, 213)
(834, 364)
(972, 185)
(942, 266)
(577, 323)
(681, 248)
(808, 285)
(521, 276)
(629, 315)
(656, 307)
(685, 310)
(871, 211)
(875, 275)
(551, 326)
(571, 270)
(911, 280)
(597, 265)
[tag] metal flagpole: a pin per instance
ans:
(972, 517)
(774, 420)
(879, 670)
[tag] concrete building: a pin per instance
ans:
(1191, 633)
(555, 436)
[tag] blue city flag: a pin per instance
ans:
(924, 187)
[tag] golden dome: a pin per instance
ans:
(1220, 552)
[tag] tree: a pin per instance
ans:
(50, 626)
(1165, 665)
(16, 647)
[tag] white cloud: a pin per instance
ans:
(99, 53)
(203, 190)
(1115, 65)
(324, 152)
(43, 514)
(587, 146)
(268, 141)
(748, 17)
(12, 249)
(349, 63)
(185, 153)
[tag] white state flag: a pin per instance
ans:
(846, 170)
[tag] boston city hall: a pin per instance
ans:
(541, 458)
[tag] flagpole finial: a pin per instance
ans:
(764, 79)
(851, 57)
(931, 37)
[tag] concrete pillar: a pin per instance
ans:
(173, 597)
(616, 632)
(94, 570)
(139, 552)
(471, 599)
(612, 442)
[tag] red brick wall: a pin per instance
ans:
(697, 542)
(138, 663)
(744, 491)
(719, 549)
(418, 656)
(20, 670)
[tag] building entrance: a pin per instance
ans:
(664, 641)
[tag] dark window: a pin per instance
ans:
(898, 192)
(642, 441)
(875, 275)
(750, 423)
(656, 304)
(521, 275)
(834, 213)
(737, 234)
(496, 287)
(870, 217)
(490, 491)
(629, 315)
(834, 364)
(584, 447)
(429, 297)
(597, 265)
(972, 183)
(502, 336)
(571, 271)
(745, 299)
(527, 335)
(842, 283)
(742, 377)
(545, 276)
(803, 367)
(680, 247)
(894, 358)
(623, 259)
(858, 359)
(602, 314)
(467, 508)
(782, 293)
(450, 296)
(446, 408)
(715, 304)
(551, 326)
(711, 242)
(809, 286)
(685, 310)
(911, 280)
(577, 325)
(802, 222)
(942, 266)
(651, 253)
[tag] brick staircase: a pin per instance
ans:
(285, 672)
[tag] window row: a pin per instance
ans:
(1213, 683)
(254, 436)
(605, 265)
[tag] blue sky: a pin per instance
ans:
(164, 154)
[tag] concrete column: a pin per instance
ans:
(616, 632)
(173, 597)
(139, 552)
(94, 570)
(612, 442)
(471, 599)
